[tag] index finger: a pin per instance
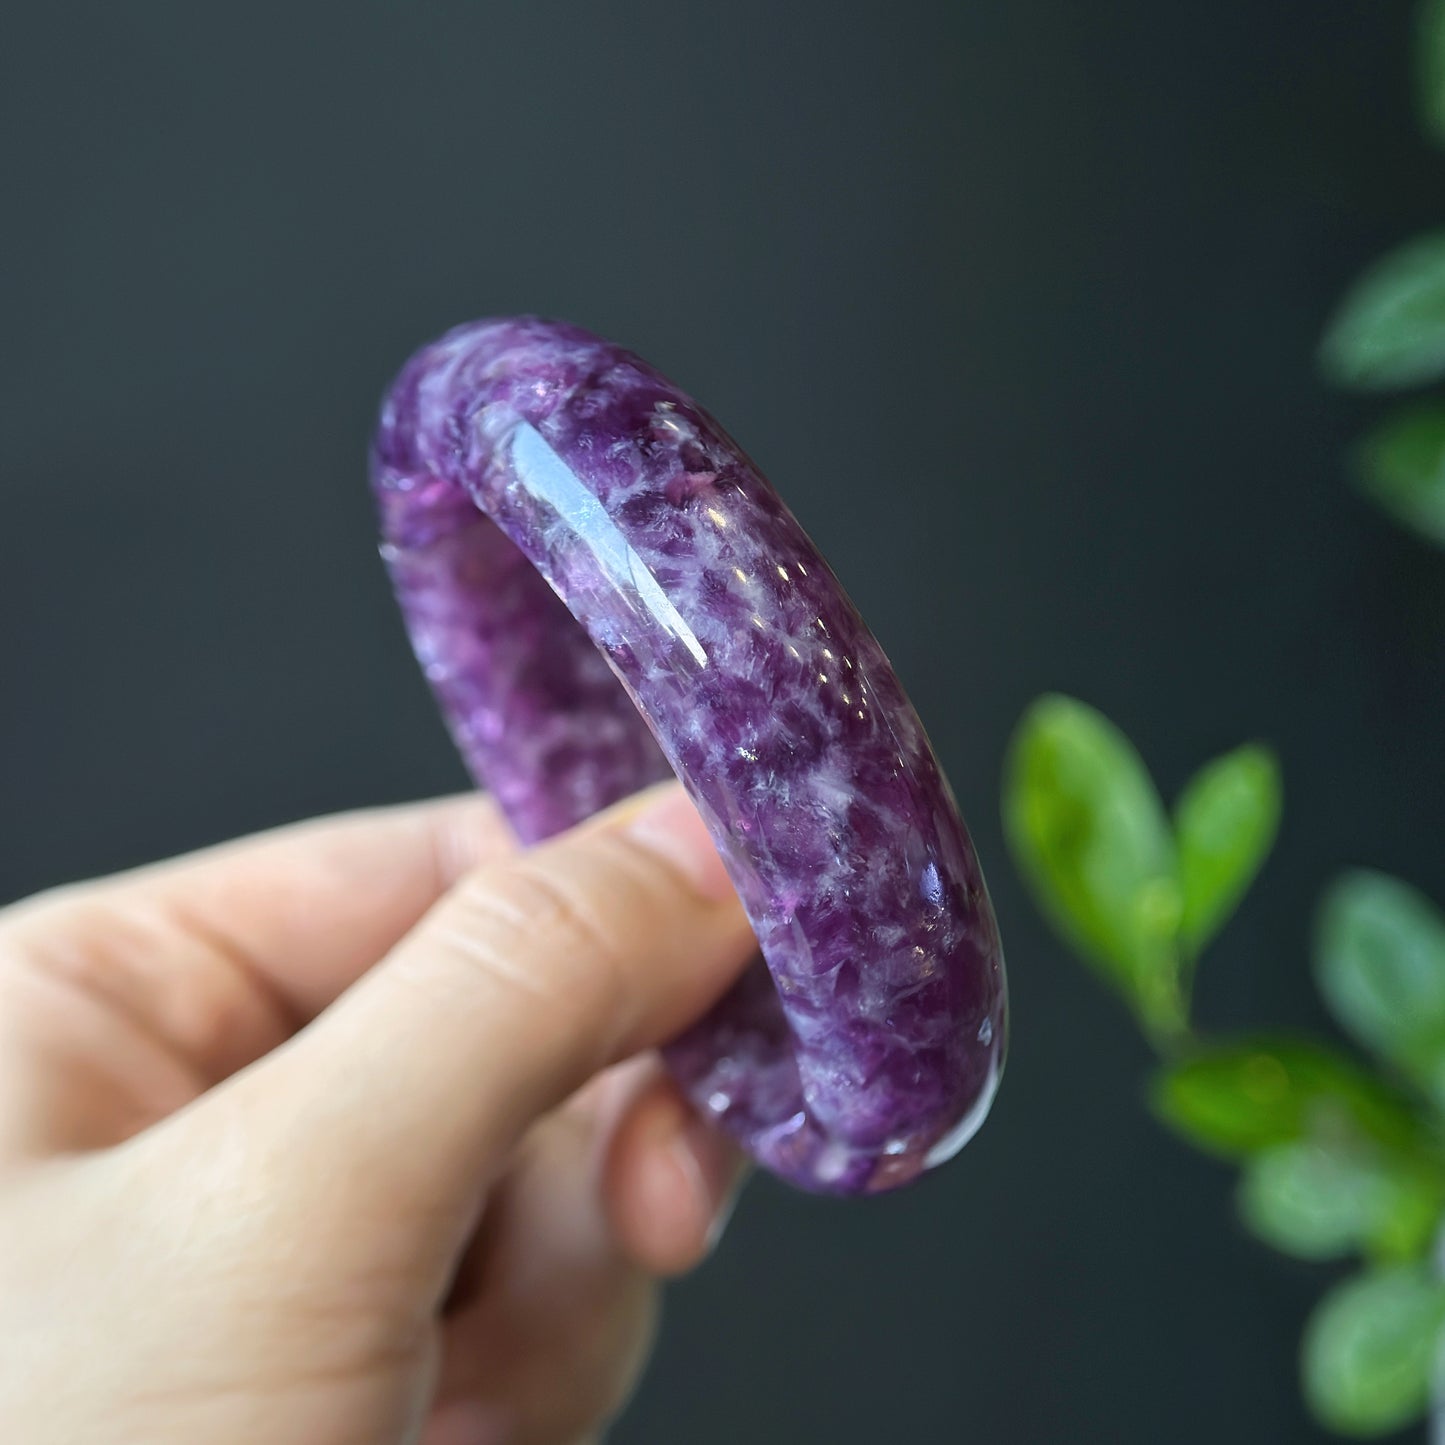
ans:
(220, 955)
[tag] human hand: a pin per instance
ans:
(256, 1185)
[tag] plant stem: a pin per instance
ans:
(1437, 1385)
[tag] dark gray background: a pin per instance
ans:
(1014, 299)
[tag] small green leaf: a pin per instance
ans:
(1090, 833)
(1225, 823)
(1236, 1099)
(1389, 331)
(1321, 1199)
(1402, 468)
(1370, 1350)
(1430, 68)
(1380, 962)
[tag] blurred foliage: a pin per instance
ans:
(1239, 1097)
(1091, 832)
(1322, 1198)
(1430, 69)
(1388, 334)
(1339, 1156)
(1137, 895)
(1380, 963)
(1225, 822)
(1401, 466)
(1370, 1350)
(1389, 331)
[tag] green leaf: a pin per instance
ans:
(1430, 68)
(1321, 1199)
(1236, 1099)
(1389, 331)
(1402, 468)
(1225, 823)
(1370, 1350)
(1380, 962)
(1089, 832)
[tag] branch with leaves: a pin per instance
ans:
(1389, 335)
(1339, 1155)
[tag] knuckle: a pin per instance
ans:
(150, 968)
(539, 932)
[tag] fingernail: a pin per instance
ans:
(724, 1214)
(717, 1171)
(466, 1422)
(672, 829)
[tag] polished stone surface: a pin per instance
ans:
(525, 470)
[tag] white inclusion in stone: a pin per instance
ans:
(544, 475)
(832, 1162)
(834, 790)
(930, 886)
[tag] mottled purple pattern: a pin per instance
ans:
(870, 1047)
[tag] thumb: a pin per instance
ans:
(526, 979)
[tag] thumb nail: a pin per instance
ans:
(671, 828)
(466, 1422)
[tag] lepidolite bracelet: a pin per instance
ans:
(529, 474)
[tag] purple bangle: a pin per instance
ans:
(526, 470)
